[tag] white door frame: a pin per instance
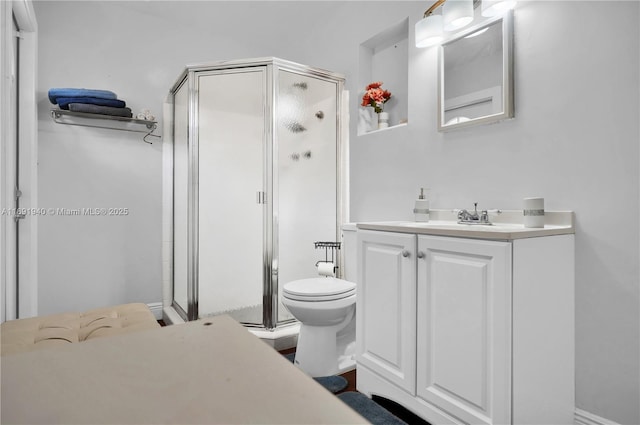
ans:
(28, 177)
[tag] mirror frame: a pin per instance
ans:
(507, 74)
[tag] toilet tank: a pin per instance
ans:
(349, 252)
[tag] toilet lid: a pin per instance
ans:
(319, 289)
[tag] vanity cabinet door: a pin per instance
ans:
(464, 328)
(386, 306)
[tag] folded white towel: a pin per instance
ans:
(145, 114)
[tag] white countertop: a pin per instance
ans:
(506, 226)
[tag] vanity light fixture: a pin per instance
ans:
(456, 14)
(429, 31)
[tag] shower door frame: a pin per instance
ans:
(272, 67)
(184, 80)
(341, 180)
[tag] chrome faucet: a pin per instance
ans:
(466, 217)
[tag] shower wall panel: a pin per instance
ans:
(307, 174)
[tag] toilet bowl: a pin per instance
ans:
(326, 310)
(325, 307)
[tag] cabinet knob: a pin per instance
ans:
(405, 253)
(420, 254)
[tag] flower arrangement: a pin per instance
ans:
(375, 96)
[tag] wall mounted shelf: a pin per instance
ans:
(379, 130)
(111, 122)
(385, 57)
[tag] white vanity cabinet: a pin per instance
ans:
(464, 327)
(467, 330)
(386, 306)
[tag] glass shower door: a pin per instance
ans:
(231, 152)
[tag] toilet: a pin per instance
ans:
(325, 308)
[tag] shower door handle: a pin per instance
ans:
(261, 197)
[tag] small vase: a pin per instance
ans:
(383, 120)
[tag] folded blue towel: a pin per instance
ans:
(64, 102)
(103, 110)
(55, 93)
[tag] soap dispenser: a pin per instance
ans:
(421, 209)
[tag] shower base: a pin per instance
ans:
(251, 315)
(281, 338)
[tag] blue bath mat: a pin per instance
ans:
(369, 409)
(331, 383)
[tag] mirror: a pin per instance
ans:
(475, 83)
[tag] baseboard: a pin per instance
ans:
(156, 309)
(583, 417)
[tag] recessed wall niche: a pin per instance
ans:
(385, 57)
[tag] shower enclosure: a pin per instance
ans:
(258, 177)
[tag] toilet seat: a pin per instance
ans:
(318, 289)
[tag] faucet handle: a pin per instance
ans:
(462, 214)
(484, 215)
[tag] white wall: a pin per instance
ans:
(574, 141)
(136, 49)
